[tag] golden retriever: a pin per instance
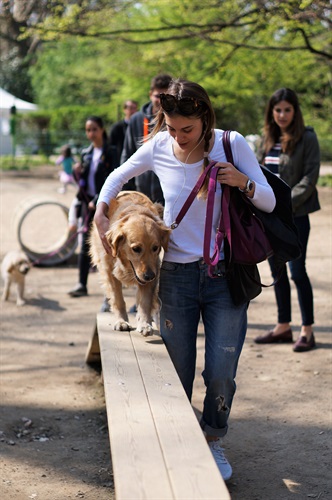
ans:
(136, 236)
(14, 267)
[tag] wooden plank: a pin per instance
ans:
(187, 459)
(93, 351)
(191, 466)
(138, 463)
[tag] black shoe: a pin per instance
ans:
(79, 291)
(273, 338)
(133, 309)
(303, 345)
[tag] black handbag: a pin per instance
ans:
(244, 280)
(279, 225)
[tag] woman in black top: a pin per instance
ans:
(291, 150)
(97, 162)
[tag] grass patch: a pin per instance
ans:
(23, 162)
(325, 180)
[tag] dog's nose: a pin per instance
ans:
(149, 276)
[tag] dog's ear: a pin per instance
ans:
(165, 236)
(115, 237)
(116, 244)
(160, 209)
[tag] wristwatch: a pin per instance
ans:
(248, 187)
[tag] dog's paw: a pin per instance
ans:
(20, 302)
(122, 326)
(145, 329)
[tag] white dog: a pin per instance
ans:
(14, 267)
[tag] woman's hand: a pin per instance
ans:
(102, 223)
(77, 170)
(77, 167)
(91, 206)
(230, 175)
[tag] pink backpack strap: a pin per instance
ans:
(192, 195)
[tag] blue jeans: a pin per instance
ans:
(299, 276)
(188, 293)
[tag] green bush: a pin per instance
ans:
(65, 119)
(325, 146)
(22, 162)
(44, 132)
(325, 180)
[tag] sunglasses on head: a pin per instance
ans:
(184, 105)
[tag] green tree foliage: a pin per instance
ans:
(236, 25)
(18, 53)
(100, 53)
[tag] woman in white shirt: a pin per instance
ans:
(181, 145)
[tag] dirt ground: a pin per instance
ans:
(53, 430)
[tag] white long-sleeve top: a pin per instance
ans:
(177, 181)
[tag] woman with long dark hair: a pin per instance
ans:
(97, 161)
(291, 150)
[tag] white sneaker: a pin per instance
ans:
(221, 461)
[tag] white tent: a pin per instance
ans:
(7, 100)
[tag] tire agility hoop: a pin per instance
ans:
(42, 232)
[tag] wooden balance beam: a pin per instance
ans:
(158, 449)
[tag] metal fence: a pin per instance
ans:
(48, 143)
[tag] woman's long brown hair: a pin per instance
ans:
(183, 88)
(272, 132)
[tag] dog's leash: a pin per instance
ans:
(187, 204)
(210, 261)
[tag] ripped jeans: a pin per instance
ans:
(188, 293)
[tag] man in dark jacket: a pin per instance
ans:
(118, 129)
(138, 129)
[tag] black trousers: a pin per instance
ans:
(84, 260)
(298, 274)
